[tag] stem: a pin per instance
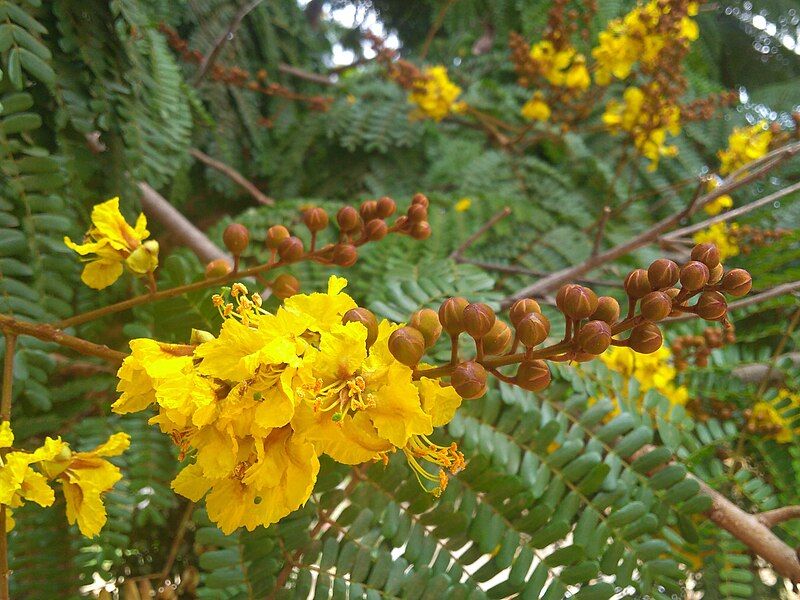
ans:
(233, 175)
(456, 254)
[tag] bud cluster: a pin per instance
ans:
(698, 348)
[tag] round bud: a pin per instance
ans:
(427, 322)
(711, 306)
(345, 255)
(291, 249)
(469, 380)
(407, 345)
(645, 338)
(316, 219)
(694, 275)
(715, 274)
(403, 223)
(367, 319)
(562, 293)
(218, 267)
(706, 253)
(478, 319)
(607, 310)
(533, 329)
(637, 284)
(420, 199)
(285, 285)
(421, 230)
(369, 210)
(451, 315)
(386, 207)
(236, 237)
(583, 356)
(737, 282)
(376, 229)
(533, 375)
(656, 306)
(521, 308)
(578, 302)
(347, 218)
(417, 213)
(498, 338)
(594, 337)
(663, 273)
(275, 235)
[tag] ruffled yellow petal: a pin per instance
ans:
(191, 483)
(397, 414)
(6, 435)
(114, 446)
(99, 274)
(440, 402)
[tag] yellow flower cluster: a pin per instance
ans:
(564, 67)
(84, 477)
(653, 371)
(772, 421)
(647, 128)
(113, 244)
(720, 204)
(435, 95)
(745, 144)
(722, 236)
(255, 406)
(638, 37)
(463, 205)
(536, 109)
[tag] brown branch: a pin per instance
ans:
(456, 254)
(307, 75)
(233, 175)
(437, 24)
(770, 518)
(525, 271)
(601, 229)
(180, 533)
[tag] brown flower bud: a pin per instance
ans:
(345, 255)
(577, 302)
(218, 268)
(637, 284)
(420, 199)
(369, 210)
(533, 375)
(694, 275)
(451, 315)
(498, 338)
(645, 338)
(594, 337)
(427, 322)
(737, 282)
(663, 273)
(407, 345)
(316, 219)
(521, 308)
(656, 306)
(711, 306)
(348, 219)
(706, 253)
(533, 329)
(285, 285)
(386, 207)
(376, 229)
(291, 249)
(469, 380)
(236, 237)
(403, 223)
(478, 319)
(417, 213)
(715, 274)
(367, 319)
(421, 230)
(607, 310)
(275, 235)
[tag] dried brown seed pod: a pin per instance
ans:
(407, 345)
(711, 306)
(594, 337)
(521, 308)
(607, 310)
(737, 282)
(637, 284)
(285, 285)
(533, 329)
(386, 207)
(218, 267)
(694, 275)
(316, 219)
(275, 235)
(291, 249)
(533, 375)
(427, 322)
(348, 220)
(663, 273)
(367, 319)
(706, 253)
(498, 339)
(656, 306)
(236, 237)
(478, 319)
(451, 315)
(469, 380)
(345, 255)
(645, 338)
(578, 302)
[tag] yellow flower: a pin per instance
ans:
(114, 244)
(745, 144)
(536, 109)
(435, 95)
(772, 422)
(719, 204)
(565, 67)
(723, 236)
(463, 205)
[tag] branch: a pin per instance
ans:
(601, 228)
(234, 175)
(533, 272)
(437, 24)
(758, 372)
(307, 75)
(456, 254)
(770, 518)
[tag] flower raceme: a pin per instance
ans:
(561, 67)
(255, 406)
(435, 95)
(112, 245)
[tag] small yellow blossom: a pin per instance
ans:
(463, 205)
(745, 144)
(435, 95)
(723, 236)
(773, 424)
(564, 67)
(536, 109)
(114, 245)
(720, 204)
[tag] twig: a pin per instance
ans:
(456, 254)
(437, 24)
(227, 35)
(180, 533)
(779, 290)
(233, 175)
(787, 334)
(770, 518)
(533, 272)
(601, 228)
(307, 75)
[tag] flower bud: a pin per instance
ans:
(594, 337)
(218, 267)
(420, 199)
(285, 285)
(521, 308)
(637, 284)
(345, 255)
(645, 338)
(451, 315)
(577, 302)
(663, 273)
(236, 237)
(200, 336)
(533, 329)
(694, 275)
(386, 207)
(737, 282)
(421, 230)
(533, 375)
(498, 338)
(291, 249)
(316, 219)
(607, 310)
(469, 380)
(715, 274)
(367, 319)
(478, 319)
(407, 345)
(427, 322)
(706, 253)
(417, 213)
(711, 306)
(347, 218)
(368, 210)
(376, 229)
(275, 235)
(656, 306)
(403, 223)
